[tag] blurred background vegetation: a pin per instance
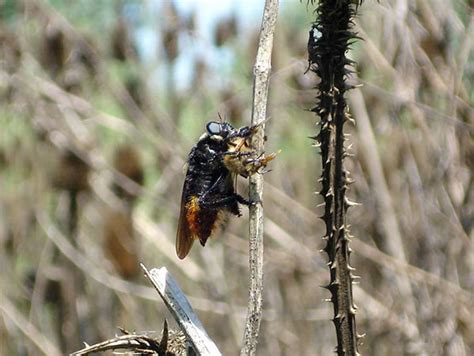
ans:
(100, 102)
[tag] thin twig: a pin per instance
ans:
(260, 92)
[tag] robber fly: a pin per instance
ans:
(221, 154)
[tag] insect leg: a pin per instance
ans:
(243, 201)
(238, 154)
(204, 195)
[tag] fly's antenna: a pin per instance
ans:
(262, 122)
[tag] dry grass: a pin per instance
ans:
(413, 166)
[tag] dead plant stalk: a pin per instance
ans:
(259, 107)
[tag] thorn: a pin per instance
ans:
(164, 338)
(123, 331)
(349, 181)
(339, 317)
(350, 203)
(329, 193)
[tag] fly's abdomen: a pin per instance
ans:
(201, 221)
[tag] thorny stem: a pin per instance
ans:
(260, 92)
(329, 40)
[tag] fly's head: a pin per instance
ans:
(219, 131)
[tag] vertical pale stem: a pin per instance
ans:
(260, 92)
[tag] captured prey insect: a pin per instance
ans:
(214, 162)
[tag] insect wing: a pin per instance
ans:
(184, 238)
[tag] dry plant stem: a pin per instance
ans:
(8, 311)
(393, 240)
(112, 282)
(260, 92)
(328, 43)
(124, 342)
(181, 310)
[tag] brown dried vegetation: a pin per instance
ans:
(412, 165)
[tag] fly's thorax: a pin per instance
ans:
(205, 156)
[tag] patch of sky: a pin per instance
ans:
(148, 17)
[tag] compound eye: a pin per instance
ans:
(214, 128)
